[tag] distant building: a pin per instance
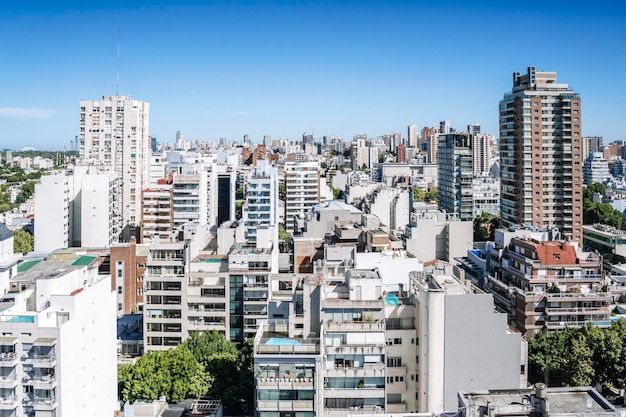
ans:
(455, 161)
(595, 169)
(412, 137)
(302, 191)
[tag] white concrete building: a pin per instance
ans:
(450, 314)
(114, 133)
(58, 349)
(392, 206)
(596, 169)
(8, 258)
(302, 190)
(53, 212)
(77, 208)
(261, 209)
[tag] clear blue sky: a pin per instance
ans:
(224, 69)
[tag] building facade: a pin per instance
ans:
(455, 159)
(541, 154)
(114, 134)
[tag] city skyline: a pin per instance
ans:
(285, 68)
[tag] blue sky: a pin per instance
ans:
(224, 69)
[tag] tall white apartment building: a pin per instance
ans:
(195, 195)
(302, 190)
(262, 200)
(114, 134)
(412, 136)
(77, 208)
(8, 258)
(58, 352)
(53, 212)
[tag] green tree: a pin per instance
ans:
(323, 165)
(23, 242)
(222, 360)
(28, 189)
(239, 193)
(485, 226)
(174, 373)
(337, 193)
(285, 237)
(591, 189)
(432, 196)
(281, 190)
(418, 194)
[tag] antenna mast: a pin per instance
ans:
(117, 69)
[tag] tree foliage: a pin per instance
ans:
(23, 242)
(174, 373)
(586, 356)
(600, 212)
(430, 196)
(285, 238)
(231, 368)
(485, 226)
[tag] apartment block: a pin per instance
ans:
(157, 218)
(114, 134)
(302, 191)
(541, 154)
(547, 284)
(262, 200)
(77, 208)
(455, 158)
(58, 349)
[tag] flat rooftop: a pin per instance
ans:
(55, 265)
(573, 400)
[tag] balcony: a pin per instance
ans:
(284, 383)
(373, 370)
(358, 326)
(44, 361)
(365, 392)
(364, 409)
(44, 404)
(8, 381)
(284, 405)
(8, 402)
(356, 350)
(8, 359)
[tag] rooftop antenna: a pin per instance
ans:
(117, 68)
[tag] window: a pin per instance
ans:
(394, 362)
(119, 290)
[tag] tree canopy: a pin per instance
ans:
(23, 242)
(174, 373)
(230, 367)
(600, 212)
(485, 226)
(584, 356)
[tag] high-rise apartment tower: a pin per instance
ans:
(541, 154)
(114, 135)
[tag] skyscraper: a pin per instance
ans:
(455, 159)
(541, 154)
(412, 137)
(114, 136)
